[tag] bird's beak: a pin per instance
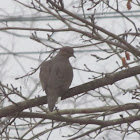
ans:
(74, 56)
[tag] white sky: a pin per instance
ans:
(12, 69)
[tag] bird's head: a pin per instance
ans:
(67, 52)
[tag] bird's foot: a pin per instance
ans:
(57, 110)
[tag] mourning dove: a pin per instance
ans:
(56, 75)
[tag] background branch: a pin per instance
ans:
(108, 79)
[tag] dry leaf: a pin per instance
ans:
(127, 55)
(124, 63)
(129, 5)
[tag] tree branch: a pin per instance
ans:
(132, 49)
(107, 80)
(50, 116)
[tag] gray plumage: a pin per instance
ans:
(56, 75)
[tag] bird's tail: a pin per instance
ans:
(52, 99)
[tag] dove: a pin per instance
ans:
(56, 75)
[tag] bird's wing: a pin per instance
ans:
(61, 76)
(44, 75)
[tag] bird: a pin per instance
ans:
(56, 75)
